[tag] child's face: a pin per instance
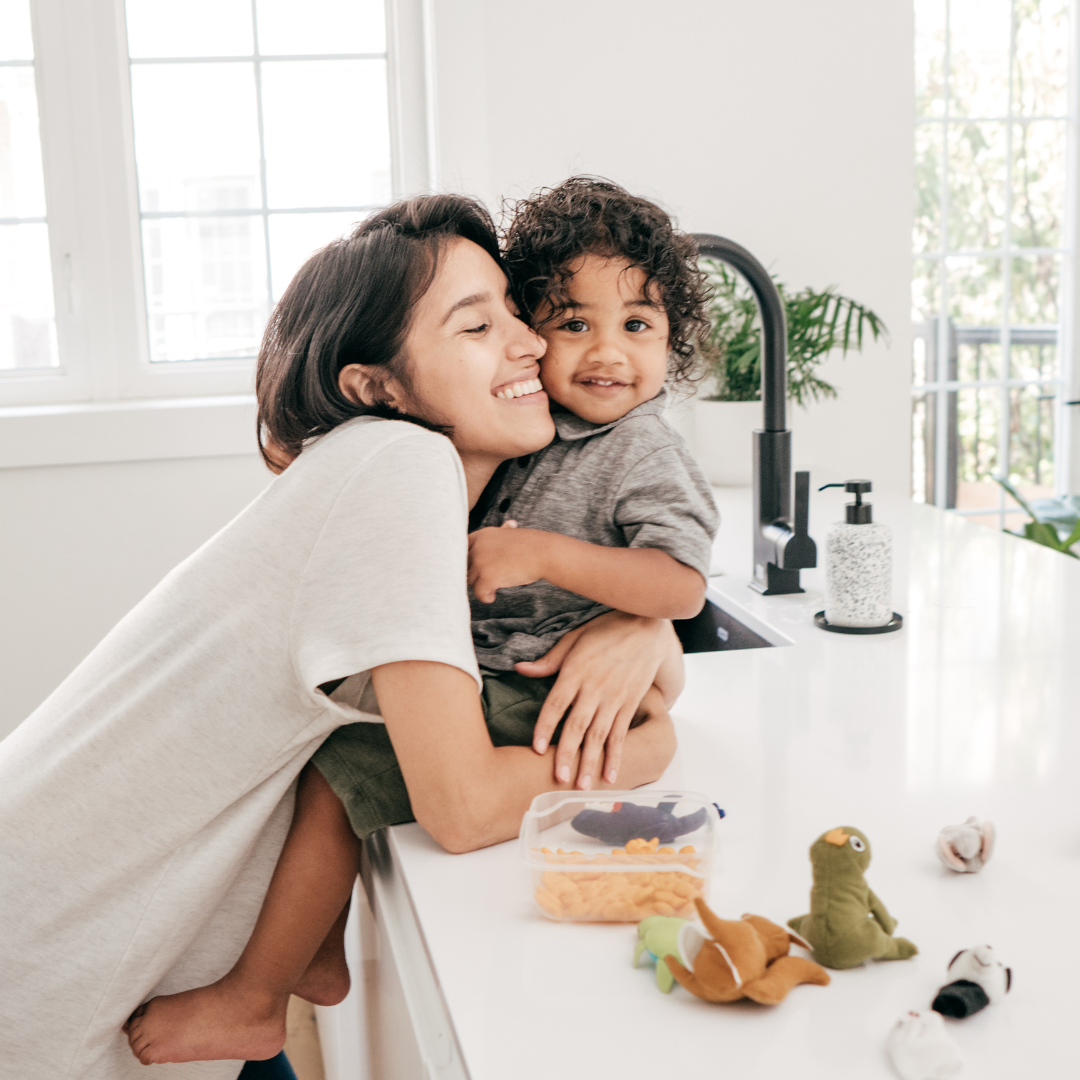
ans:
(608, 352)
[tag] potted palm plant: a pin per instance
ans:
(728, 404)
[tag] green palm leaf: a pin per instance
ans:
(818, 321)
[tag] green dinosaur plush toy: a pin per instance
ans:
(847, 923)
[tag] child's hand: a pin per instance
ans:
(500, 558)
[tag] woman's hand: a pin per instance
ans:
(606, 668)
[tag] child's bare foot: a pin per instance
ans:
(326, 981)
(218, 1022)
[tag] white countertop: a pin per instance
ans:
(972, 708)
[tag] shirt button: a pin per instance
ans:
(504, 506)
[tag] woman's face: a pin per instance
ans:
(471, 363)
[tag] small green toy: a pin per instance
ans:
(660, 936)
(847, 923)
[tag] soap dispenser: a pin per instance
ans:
(858, 570)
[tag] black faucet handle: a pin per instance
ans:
(802, 503)
(800, 551)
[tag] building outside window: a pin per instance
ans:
(992, 251)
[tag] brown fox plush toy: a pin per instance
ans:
(746, 957)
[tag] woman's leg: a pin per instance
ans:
(297, 944)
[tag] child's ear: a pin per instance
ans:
(367, 384)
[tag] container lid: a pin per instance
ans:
(612, 831)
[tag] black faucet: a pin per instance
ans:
(781, 547)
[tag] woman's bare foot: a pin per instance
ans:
(222, 1021)
(326, 981)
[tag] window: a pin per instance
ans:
(27, 325)
(261, 133)
(194, 155)
(991, 251)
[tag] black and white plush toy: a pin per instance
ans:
(979, 979)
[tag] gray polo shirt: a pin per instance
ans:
(631, 483)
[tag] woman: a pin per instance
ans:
(144, 804)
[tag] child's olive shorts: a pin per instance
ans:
(359, 763)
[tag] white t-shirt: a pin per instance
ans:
(144, 804)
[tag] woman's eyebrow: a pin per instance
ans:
(468, 301)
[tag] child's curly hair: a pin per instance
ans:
(587, 215)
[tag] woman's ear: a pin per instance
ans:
(367, 384)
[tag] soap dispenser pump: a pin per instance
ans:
(858, 570)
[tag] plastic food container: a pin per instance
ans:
(618, 856)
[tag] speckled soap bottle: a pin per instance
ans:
(858, 570)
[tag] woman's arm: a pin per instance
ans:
(467, 793)
(639, 581)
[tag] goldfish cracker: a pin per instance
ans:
(619, 896)
(549, 902)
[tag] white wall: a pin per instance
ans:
(782, 124)
(81, 544)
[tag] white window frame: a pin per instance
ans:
(84, 100)
(941, 387)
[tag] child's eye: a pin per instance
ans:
(575, 326)
(635, 326)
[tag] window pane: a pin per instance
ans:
(1031, 440)
(321, 26)
(974, 290)
(22, 188)
(293, 237)
(16, 41)
(206, 290)
(1038, 183)
(979, 429)
(979, 54)
(1040, 77)
(326, 128)
(926, 290)
(930, 57)
(922, 447)
(1035, 283)
(928, 155)
(976, 185)
(196, 135)
(27, 330)
(1033, 361)
(193, 28)
(976, 361)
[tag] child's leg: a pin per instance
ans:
(243, 1014)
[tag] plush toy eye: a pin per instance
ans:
(857, 844)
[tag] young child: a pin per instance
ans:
(613, 515)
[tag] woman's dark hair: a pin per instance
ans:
(352, 303)
(587, 215)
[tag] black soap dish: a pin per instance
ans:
(894, 623)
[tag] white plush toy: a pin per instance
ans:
(977, 979)
(966, 848)
(920, 1049)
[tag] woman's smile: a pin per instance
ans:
(532, 389)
